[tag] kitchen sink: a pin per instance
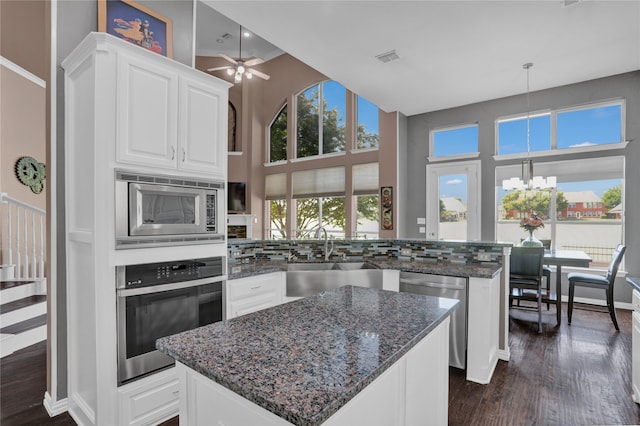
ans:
(327, 266)
(309, 279)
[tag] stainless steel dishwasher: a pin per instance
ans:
(452, 288)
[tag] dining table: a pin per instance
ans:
(560, 258)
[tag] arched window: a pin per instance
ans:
(321, 117)
(278, 136)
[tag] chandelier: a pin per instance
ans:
(528, 181)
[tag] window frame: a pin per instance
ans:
(553, 113)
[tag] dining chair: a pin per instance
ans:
(597, 281)
(525, 277)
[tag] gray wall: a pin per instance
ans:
(74, 20)
(620, 86)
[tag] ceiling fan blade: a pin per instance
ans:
(252, 62)
(227, 58)
(259, 74)
(219, 68)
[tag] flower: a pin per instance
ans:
(531, 223)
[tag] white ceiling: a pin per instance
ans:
(451, 53)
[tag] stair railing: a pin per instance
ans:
(23, 243)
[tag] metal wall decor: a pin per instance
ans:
(386, 212)
(31, 173)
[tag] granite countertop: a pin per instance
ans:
(634, 282)
(305, 359)
(452, 269)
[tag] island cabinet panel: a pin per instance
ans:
(635, 343)
(251, 294)
(483, 328)
(414, 390)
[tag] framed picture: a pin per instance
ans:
(386, 211)
(136, 24)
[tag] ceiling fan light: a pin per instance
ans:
(249, 74)
(238, 77)
(241, 69)
(230, 71)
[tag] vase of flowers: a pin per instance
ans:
(530, 224)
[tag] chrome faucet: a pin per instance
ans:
(327, 250)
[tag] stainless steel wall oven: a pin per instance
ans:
(158, 210)
(159, 299)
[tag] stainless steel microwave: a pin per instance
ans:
(159, 210)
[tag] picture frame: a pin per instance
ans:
(386, 210)
(136, 24)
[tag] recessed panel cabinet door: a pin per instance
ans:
(203, 128)
(147, 111)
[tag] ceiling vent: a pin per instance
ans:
(388, 56)
(226, 36)
(567, 3)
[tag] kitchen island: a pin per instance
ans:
(350, 355)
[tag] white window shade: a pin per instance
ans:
(569, 171)
(365, 178)
(318, 182)
(275, 186)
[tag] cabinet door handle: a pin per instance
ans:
(184, 155)
(255, 288)
(173, 152)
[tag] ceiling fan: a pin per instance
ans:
(240, 67)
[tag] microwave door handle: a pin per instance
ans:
(125, 292)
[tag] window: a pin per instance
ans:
(278, 137)
(321, 115)
(367, 134)
(598, 125)
(595, 124)
(583, 213)
(454, 141)
(275, 193)
(277, 220)
(312, 213)
(365, 188)
(512, 134)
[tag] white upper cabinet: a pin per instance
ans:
(202, 126)
(147, 112)
(167, 115)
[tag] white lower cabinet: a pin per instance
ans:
(150, 400)
(409, 392)
(482, 328)
(251, 294)
(635, 346)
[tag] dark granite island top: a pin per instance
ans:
(306, 359)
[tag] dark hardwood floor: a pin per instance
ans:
(23, 382)
(577, 374)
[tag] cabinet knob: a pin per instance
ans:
(184, 155)
(173, 152)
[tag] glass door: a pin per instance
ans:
(453, 195)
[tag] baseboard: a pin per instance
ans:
(55, 407)
(598, 302)
(504, 354)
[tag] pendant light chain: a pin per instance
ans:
(527, 66)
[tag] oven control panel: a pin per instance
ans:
(149, 274)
